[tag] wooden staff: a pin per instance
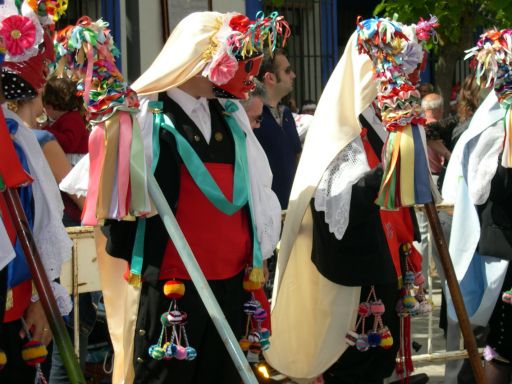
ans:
(453, 286)
(44, 289)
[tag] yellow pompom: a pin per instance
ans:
(3, 359)
(34, 352)
(174, 289)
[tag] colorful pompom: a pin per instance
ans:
(191, 353)
(165, 320)
(174, 289)
(249, 285)
(409, 302)
(265, 344)
(364, 309)
(251, 306)
(181, 353)
(507, 296)
(156, 352)
(351, 338)
(374, 339)
(170, 350)
(362, 343)
(378, 308)
(386, 339)
(409, 278)
(419, 279)
(3, 359)
(244, 344)
(34, 352)
(259, 314)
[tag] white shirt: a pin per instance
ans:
(197, 109)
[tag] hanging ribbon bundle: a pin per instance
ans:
(397, 57)
(492, 57)
(117, 177)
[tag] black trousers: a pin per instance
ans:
(374, 365)
(15, 371)
(213, 363)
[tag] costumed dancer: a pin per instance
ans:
(328, 262)
(24, 28)
(215, 176)
(478, 182)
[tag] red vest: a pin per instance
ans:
(21, 293)
(222, 244)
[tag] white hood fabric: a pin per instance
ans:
(310, 314)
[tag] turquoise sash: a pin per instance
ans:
(203, 178)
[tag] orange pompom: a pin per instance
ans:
(250, 285)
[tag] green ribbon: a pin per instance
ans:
(137, 171)
(203, 178)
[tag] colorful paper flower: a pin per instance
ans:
(222, 69)
(239, 23)
(21, 37)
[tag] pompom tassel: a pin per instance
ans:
(135, 280)
(256, 275)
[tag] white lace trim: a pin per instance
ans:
(334, 191)
(50, 236)
(61, 297)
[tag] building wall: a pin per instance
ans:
(228, 6)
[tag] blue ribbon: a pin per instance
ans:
(17, 269)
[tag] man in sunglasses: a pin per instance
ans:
(278, 133)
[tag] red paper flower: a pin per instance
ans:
(18, 33)
(239, 23)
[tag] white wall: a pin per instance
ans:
(229, 6)
(151, 41)
(150, 24)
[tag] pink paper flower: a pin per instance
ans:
(223, 69)
(18, 33)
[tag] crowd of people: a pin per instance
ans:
(348, 274)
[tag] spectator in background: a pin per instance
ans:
(308, 107)
(254, 104)
(425, 89)
(469, 100)
(432, 105)
(278, 133)
(63, 106)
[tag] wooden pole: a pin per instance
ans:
(453, 286)
(42, 284)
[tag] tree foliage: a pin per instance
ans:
(452, 14)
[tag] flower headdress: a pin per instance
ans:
(117, 179)
(26, 29)
(240, 38)
(397, 55)
(492, 57)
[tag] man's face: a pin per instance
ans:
(284, 75)
(254, 109)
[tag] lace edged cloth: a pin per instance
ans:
(50, 236)
(334, 191)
